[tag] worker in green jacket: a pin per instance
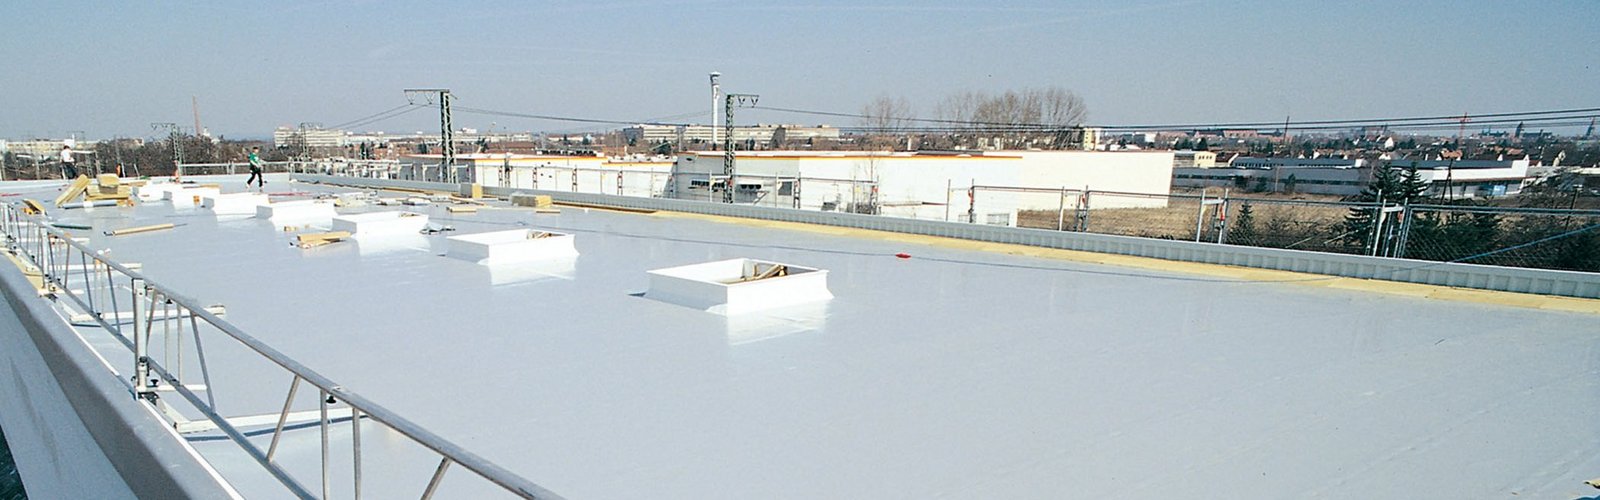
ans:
(255, 169)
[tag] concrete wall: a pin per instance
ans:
(76, 432)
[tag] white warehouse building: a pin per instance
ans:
(989, 186)
(627, 176)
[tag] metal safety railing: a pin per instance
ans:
(101, 288)
(353, 168)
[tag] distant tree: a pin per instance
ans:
(1290, 183)
(1449, 235)
(1204, 145)
(1412, 188)
(1183, 144)
(885, 118)
(1017, 117)
(1261, 185)
(1243, 231)
(1359, 223)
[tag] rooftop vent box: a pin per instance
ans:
(381, 223)
(189, 196)
(155, 191)
(739, 286)
(296, 211)
(234, 204)
(515, 245)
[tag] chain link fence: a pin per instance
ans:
(1537, 238)
(1471, 233)
(1298, 224)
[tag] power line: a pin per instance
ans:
(1304, 124)
(390, 110)
(1552, 121)
(491, 112)
(409, 108)
(1550, 118)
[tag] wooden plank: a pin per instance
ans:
(140, 229)
(310, 240)
(458, 209)
(606, 207)
(771, 272)
(32, 207)
(116, 193)
(74, 190)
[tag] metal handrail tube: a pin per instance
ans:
(1304, 203)
(451, 451)
(232, 432)
(1510, 210)
(1025, 189)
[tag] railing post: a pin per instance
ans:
(141, 360)
(972, 202)
(1222, 218)
(1061, 210)
(1083, 211)
(1405, 233)
(322, 423)
(355, 446)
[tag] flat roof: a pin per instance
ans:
(955, 373)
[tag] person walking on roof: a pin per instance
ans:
(69, 167)
(255, 169)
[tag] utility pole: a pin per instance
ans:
(174, 134)
(447, 142)
(1288, 143)
(742, 100)
(194, 104)
(716, 96)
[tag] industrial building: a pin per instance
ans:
(44, 148)
(1345, 177)
(923, 185)
(988, 186)
(1193, 159)
(638, 175)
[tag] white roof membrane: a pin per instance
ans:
(954, 373)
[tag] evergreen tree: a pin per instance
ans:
(1385, 187)
(1243, 231)
(1412, 188)
(1204, 145)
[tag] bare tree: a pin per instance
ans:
(886, 117)
(1029, 117)
(960, 107)
(887, 114)
(1059, 107)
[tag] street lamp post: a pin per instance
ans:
(716, 96)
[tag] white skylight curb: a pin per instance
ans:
(716, 287)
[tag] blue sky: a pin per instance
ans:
(112, 68)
